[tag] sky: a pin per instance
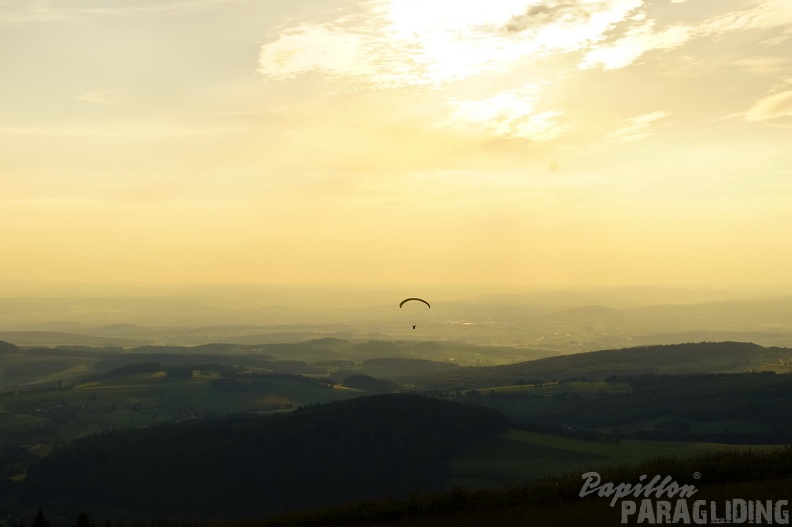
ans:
(512, 143)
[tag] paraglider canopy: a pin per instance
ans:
(416, 299)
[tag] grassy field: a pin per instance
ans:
(521, 456)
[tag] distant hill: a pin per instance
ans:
(7, 347)
(247, 464)
(585, 315)
(54, 338)
(703, 357)
(735, 315)
(183, 359)
(763, 338)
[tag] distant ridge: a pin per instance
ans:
(54, 338)
(702, 357)
(763, 338)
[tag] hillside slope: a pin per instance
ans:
(247, 464)
(703, 357)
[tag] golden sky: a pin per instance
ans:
(428, 142)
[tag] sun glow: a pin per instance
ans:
(520, 141)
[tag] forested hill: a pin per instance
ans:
(6, 347)
(246, 464)
(703, 357)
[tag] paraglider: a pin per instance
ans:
(417, 299)
(401, 304)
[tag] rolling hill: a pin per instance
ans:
(248, 464)
(703, 357)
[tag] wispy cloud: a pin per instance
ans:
(444, 43)
(400, 43)
(637, 40)
(764, 14)
(26, 11)
(509, 113)
(103, 97)
(637, 127)
(635, 43)
(143, 8)
(771, 107)
(326, 49)
(765, 65)
(411, 44)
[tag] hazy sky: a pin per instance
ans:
(391, 142)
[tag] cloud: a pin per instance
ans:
(103, 97)
(321, 48)
(509, 113)
(764, 65)
(22, 11)
(393, 44)
(398, 43)
(638, 40)
(635, 43)
(537, 16)
(766, 14)
(637, 127)
(771, 107)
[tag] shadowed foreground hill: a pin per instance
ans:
(722, 476)
(246, 464)
(703, 357)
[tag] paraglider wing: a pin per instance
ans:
(417, 299)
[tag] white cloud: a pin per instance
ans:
(507, 114)
(637, 127)
(415, 43)
(765, 14)
(635, 43)
(771, 107)
(321, 48)
(638, 40)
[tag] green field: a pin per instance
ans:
(521, 456)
